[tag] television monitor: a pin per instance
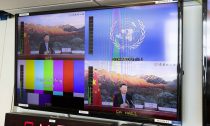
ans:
(112, 62)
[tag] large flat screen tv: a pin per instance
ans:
(111, 62)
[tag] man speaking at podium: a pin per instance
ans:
(122, 99)
(46, 47)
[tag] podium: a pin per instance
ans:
(27, 119)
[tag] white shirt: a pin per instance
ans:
(46, 45)
(124, 98)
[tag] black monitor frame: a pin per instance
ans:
(101, 114)
(205, 83)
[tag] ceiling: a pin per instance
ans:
(25, 6)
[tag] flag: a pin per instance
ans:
(96, 92)
(27, 48)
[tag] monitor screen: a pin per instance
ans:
(118, 62)
(50, 60)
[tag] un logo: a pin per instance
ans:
(127, 34)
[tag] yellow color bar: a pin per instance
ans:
(30, 74)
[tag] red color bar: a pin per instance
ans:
(68, 76)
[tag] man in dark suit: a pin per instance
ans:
(46, 47)
(123, 99)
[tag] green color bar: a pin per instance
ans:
(48, 75)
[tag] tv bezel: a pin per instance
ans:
(204, 64)
(102, 114)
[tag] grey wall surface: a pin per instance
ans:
(192, 63)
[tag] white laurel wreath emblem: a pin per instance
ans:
(135, 44)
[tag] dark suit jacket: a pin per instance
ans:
(42, 48)
(118, 100)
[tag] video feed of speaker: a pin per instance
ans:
(131, 65)
(51, 36)
(50, 57)
(106, 62)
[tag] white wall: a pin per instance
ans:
(7, 45)
(2, 34)
(192, 83)
(192, 63)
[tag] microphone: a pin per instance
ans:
(128, 103)
(131, 104)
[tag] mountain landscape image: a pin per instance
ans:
(62, 36)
